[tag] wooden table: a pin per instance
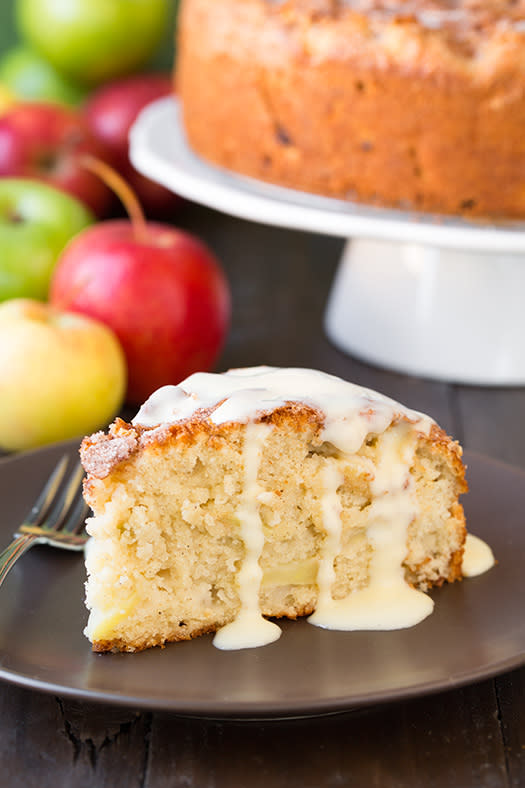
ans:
(467, 738)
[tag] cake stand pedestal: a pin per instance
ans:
(431, 296)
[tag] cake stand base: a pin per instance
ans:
(441, 313)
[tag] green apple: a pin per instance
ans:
(31, 78)
(94, 41)
(62, 374)
(36, 222)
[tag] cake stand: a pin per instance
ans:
(437, 297)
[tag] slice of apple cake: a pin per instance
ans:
(267, 492)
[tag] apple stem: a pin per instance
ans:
(123, 191)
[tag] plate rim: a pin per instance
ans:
(265, 711)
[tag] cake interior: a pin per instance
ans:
(168, 524)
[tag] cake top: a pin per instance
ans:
(475, 14)
(484, 36)
(350, 412)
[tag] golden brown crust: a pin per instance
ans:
(450, 451)
(120, 644)
(422, 109)
(102, 452)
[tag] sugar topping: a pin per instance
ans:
(473, 14)
(478, 557)
(351, 412)
(250, 628)
(461, 28)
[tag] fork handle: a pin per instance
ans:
(11, 554)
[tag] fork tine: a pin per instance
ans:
(77, 517)
(58, 514)
(43, 503)
(56, 518)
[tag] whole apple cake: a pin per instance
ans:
(414, 104)
(267, 492)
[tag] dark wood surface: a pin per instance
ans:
(470, 737)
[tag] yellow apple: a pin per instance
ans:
(62, 374)
(7, 98)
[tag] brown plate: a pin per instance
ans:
(477, 629)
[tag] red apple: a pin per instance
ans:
(110, 112)
(46, 142)
(161, 291)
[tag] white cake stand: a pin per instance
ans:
(431, 296)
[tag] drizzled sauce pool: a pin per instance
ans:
(351, 415)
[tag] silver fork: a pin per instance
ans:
(56, 518)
